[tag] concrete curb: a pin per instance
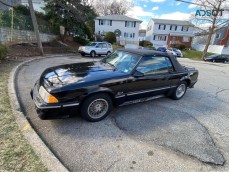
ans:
(45, 154)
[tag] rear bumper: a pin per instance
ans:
(46, 109)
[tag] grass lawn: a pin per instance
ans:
(116, 46)
(15, 153)
(195, 55)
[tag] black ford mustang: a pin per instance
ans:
(124, 77)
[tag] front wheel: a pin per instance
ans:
(225, 61)
(108, 53)
(180, 91)
(92, 53)
(96, 107)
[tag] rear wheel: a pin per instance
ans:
(180, 91)
(225, 61)
(82, 54)
(108, 53)
(92, 53)
(213, 61)
(96, 107)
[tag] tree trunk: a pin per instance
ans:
(208, 41)
(35, 26)
(211, 31)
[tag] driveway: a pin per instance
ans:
(160, 135)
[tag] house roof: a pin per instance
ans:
(118, 17)
(175, 22)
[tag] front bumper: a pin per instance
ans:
(49, 109)
(193, 83)
(84, 51)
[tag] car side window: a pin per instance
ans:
(154, 65)
(109, 45)
(99, 45)
(104, 45)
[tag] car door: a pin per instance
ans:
(104, 48)
(222, 58)
(217, 58)
(99, 48)
(155, 79)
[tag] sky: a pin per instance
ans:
(164, 9)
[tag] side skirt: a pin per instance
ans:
(142, 100)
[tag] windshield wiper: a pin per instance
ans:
(111, 65)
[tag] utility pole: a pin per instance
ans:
(35, 26)
(12, 24)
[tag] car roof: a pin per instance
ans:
(144, 52)
(101, 42)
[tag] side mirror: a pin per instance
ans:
(138, 74)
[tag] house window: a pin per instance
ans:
(105, 22)
(173, 27)
(130, 24)
(160, 37)
(161, 27)
(217, 36)
(184, 28)
(185, 39)
(129, 35)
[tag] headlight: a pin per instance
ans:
(48, 98)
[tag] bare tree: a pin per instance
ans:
(214, 22)
(109, 7)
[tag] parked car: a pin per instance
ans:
(96, 48)
(164, 49)
(217, 58)
(177, 51)
(124, 77)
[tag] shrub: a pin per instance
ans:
(179, 46)
(99, 38)
(3, 52)
(110, 37)
(145, 43)
(80, 40)
(182, 47)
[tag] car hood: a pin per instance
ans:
(59, 76)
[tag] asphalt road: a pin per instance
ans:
(159, 135)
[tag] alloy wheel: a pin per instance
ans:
(98, 108)
(180, 90)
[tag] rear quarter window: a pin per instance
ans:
(155, 65)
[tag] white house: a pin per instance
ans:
(166, 33)
(142, 35)
(125, 28)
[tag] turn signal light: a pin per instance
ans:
(52, 99)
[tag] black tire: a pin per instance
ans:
(176, 96)
(99, 55)
(213, 61)
(91, 101)
(92, 54)
(108, 53)
(225, 61)
(82, 54)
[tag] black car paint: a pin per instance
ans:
(80, 80)
(217, 58)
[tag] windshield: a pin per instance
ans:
(122, 61)
(214, 55)
(91, 44)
